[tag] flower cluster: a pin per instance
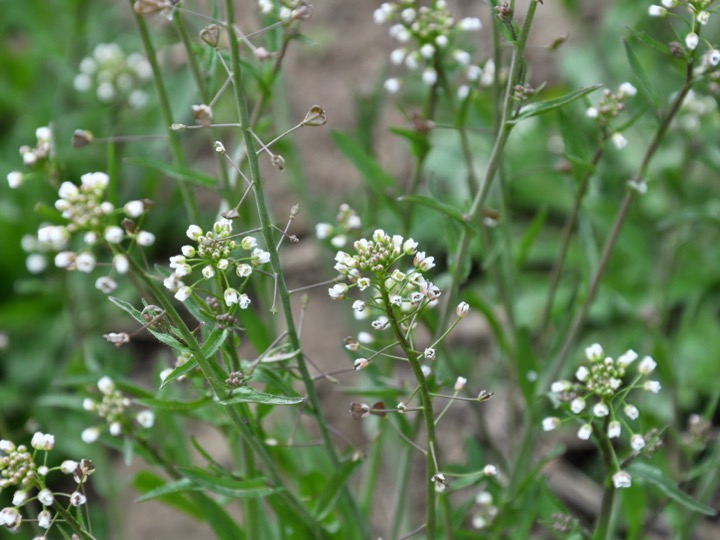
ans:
(610, 105)
(112, 408)
(700, 17)
(33, 156)
(214, 253)
(90, 215)
(432, 31)
(348, 225)
(25, 468)
(114, 76)
(486, 511)
(598, 395)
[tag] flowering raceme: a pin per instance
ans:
(215, 253)
(598, 396)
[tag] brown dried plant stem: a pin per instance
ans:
(428, 414)
(354, 520)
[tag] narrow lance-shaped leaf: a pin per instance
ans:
(541, 107)
(245, 394)
(179, 173)
(229, 487)
(648, 473)
(642, 76)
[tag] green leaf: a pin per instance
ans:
(154, 487)
(213, 342)
(653, 475)
(541, 107)
(526, 365)
(180, 371)
(135, 314)
(418, 141)
(179, 173)
(183, 485)
(444, 208)
(332, 490)
(245, 394)
(229, 487)
(174, 406)
(375, 177)
(529, 237)
(642, 36)
(642, 76)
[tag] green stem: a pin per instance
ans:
(266, 224)
(166, 111)
(219, 389)
(568, 229)
(427, 406)
(608, 454)
(71, 521)
(627, 202)
(492, 166)
(403, 481)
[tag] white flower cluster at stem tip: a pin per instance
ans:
(26, 470)
(701, 16)
(93, 218)
(112, 408)
(285, 10)
(114, 76)
(426, 36)
(598, 394)
(214, 252)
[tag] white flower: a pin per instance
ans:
(243, 270)
(106, 385)
(647, 366)
(10, 517)
(652, 386)
(637, 442)
(657, 11)
(36, 263)
(462, 309)
(231, 296)
(19, 497)
(550, 423)
(632, 412)
(43, 441)
(440, 483)
(106, 284)
(360, 363)
(380, 15)
(429, 76)
(426, 370)
(429, 353)
(244, 301)
(442, 41)
(68, 466)
(627, 358)
(194, 232)
(473, 72)
(669, 3)
(577, 405)
(65, 259)
(45, 497)
(622, 479)
(484, 498)
(470, 24)
(627, 89)
(619, 140)
(115, 429)
(422, 262)
(146, 419)
(490, 470)
(85, 262)
(397, 56)
(365, 337)
(713, 57)
(113, 234)
(363, 283)
(77, 499)
(248, 243)
(358, 305)
(145, 238)
(183, 293)
(558, 387)
(223, 264)
(7, 446)
(460, 383)
(582, 373)
(90, 435)
(408, 15)
(479, 522)
(338, 240)
(594, 352)
(260, 257)
(88, 404)
(703, 17)
(614, 429)
(462, 57)
(44, 519)
(585, 432)
(95, 180)
(691, 41)
(134, 209)
(463, 91)
(427, 51)
(323, 230)
(208, 272)
(337, 291)
(601, 410)
(15, 179)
